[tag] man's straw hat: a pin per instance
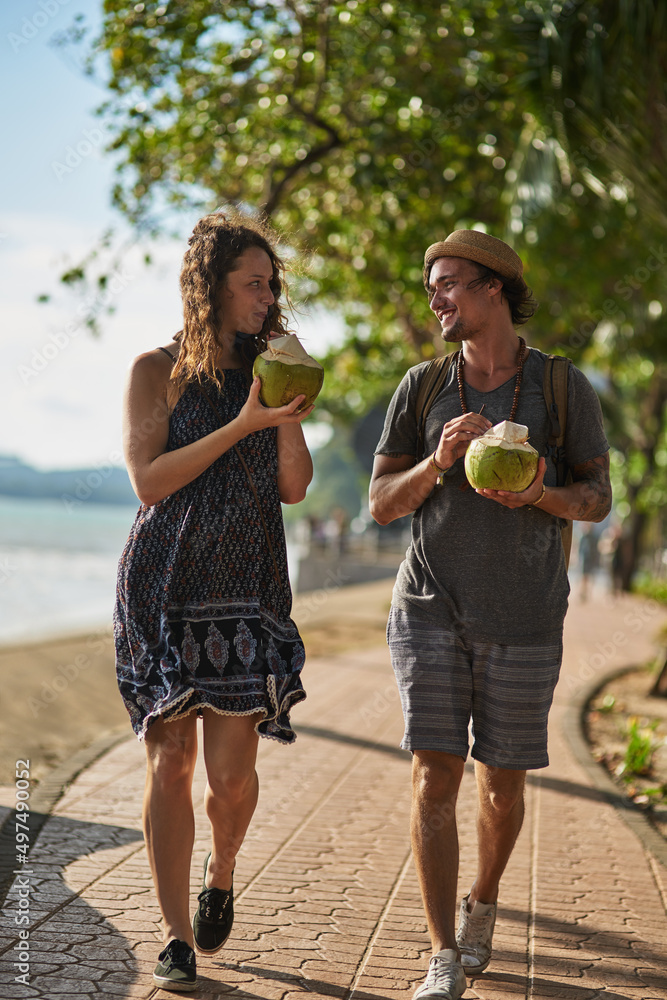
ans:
(479, 247)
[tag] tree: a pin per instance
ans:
(599, 85)
(334, 119)
(371, 129)
(601, 70)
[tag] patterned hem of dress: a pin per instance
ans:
(283, 629)
(234, 666)
(274, 724)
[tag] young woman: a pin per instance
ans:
(202, 620)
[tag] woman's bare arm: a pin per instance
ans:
(156, 473)
(295, 466)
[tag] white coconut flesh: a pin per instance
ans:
(286, 371)
(502, 459)
(289, 351)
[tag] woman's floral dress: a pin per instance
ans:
(203, 603)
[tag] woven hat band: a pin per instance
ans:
(480, 248)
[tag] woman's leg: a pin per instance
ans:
(169, 828)
(230, 751)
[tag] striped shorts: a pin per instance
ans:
(445, 682)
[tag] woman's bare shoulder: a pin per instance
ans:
(153, 369)
(156, 363)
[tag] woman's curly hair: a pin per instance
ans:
(217, 242)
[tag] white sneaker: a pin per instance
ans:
(475, 934)
(445, 980)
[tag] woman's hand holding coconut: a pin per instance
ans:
(255, 416)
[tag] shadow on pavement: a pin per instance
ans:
(72, 945)
(519, 986)
(332, 734)
(574, 937)
(533, 778)
(317, 986)
(570, 788)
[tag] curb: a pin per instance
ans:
(45, 797)
(573, 726)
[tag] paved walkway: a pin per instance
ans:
(327, 898)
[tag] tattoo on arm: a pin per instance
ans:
(595, 502)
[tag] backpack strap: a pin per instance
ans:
(556, 372)
(432, 380)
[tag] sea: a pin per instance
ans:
(58, 563)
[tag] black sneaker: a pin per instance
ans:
(176, 968)
(213, 921)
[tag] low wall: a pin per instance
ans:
(320, 570)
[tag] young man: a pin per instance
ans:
(475, 628)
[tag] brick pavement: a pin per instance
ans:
(327, 897)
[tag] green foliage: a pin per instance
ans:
(639, 750)
(338, 483)
(372, 129)
(649, 586)
(594, 153)
(336, 120)
(343, 397)
(652, 796)
(602, 68)
(73, 276)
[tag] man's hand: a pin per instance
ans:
(525, 499)
(457, 435)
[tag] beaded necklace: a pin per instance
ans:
(517, 385)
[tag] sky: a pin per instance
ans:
(62, 387)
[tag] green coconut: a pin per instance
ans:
(501, 459)
(287, 371)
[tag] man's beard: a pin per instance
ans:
(456, 333)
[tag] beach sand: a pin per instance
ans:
(60, 695)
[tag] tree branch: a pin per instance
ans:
(274, 194)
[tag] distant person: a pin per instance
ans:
(316, 533)
(475, 629)
(588, 554)
(337, 531)
(202, 619)
(615, 544)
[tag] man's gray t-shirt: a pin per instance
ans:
(473, 566)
